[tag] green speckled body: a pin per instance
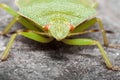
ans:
(57, 12)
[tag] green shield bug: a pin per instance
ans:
(46, 20)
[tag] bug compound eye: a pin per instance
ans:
(71, 27)
(46, 27)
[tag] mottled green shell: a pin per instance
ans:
(44, 11)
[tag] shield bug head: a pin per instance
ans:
(59, 29)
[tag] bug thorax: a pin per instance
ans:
(59, 29)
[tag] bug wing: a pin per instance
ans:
(43, 11)
(22, 3)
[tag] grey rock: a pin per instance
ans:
(30, 60)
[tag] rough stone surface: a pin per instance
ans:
(29, 60)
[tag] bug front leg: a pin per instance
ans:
(89, 23)
(34, 35)
(10, 25)
(17, 17)
(13, 13)
(8, 9)
(81, 42)
(105, 39)
(89, 31)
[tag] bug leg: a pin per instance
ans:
(29, 25)
(81, 42)
(103, 32)
(10, 25)
(83, 32)
(8, 9)
(6, 52)
(29, 34)
(13, 13)
(85, 25)
(89, 23)
(105, 37)
(17, 17)
(89, 31)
